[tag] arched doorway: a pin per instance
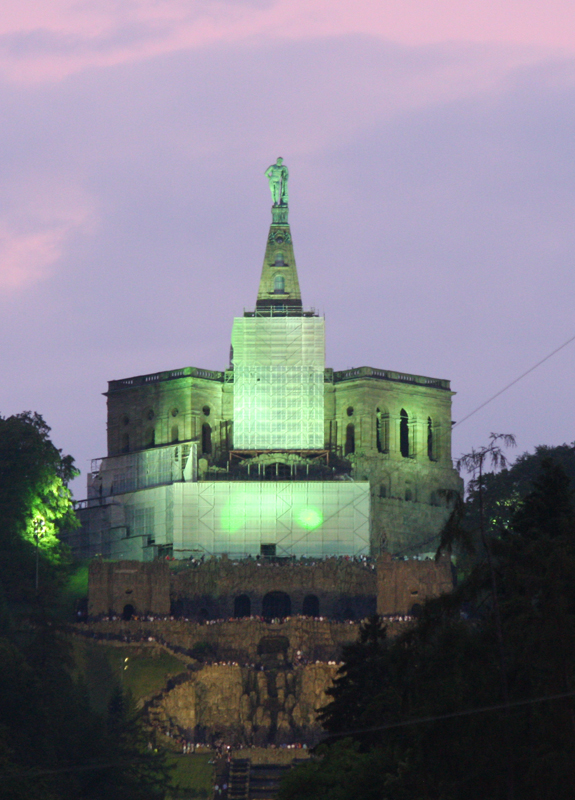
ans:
(310, 606)
(242, 606)
(276, 605)
(128, 612)
(206, 439)
(349, 440)
(404, 433)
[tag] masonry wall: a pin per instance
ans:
(394, 429)
(343, 589)
(409, 489)
(404, 585)
(113, 585)
(143, 412)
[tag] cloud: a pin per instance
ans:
(35, 233)
(46, 42)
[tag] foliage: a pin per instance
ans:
(440, 724)
(53, 745)
(505, 490)
(35, 505)
(361, 694)
(35, 501)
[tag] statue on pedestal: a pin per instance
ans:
(277, 176)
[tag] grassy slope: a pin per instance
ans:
(101, 667)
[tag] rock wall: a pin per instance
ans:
(242, 706)
(242, 641)
(241, 683)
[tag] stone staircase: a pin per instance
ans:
(239, 780)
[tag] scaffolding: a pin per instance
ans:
(279, 365)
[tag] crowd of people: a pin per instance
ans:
(278, 561)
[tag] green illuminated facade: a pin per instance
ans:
(276, 454)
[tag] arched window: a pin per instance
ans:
(404, 433)
(279, 284)
(431, 440)
(279, 259)
(276, 605)
(350, 440)
(150, 437)
(206, 439)
(175, 434)
(382, 431)
(126, 443)
(242, 606)
(310, 606)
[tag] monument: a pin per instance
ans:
(275, 455)
(277, 175)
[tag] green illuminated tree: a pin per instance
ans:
(35, 502)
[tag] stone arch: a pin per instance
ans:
(310, 607)
(242, 606)
(415, 610)
(128, 612)
(276, 605)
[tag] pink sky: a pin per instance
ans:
(430, 146)
(63, 37)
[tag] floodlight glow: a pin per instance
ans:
(309, 518)
(233, 516)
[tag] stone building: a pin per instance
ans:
(275, 455)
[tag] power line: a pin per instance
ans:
(467, 713)
(390, 726)
(509, 385)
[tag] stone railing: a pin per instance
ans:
(386, 375)
(169, 375)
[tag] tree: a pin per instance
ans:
(35, 502)
(503, 491)
(361, 692)
(453, 733)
